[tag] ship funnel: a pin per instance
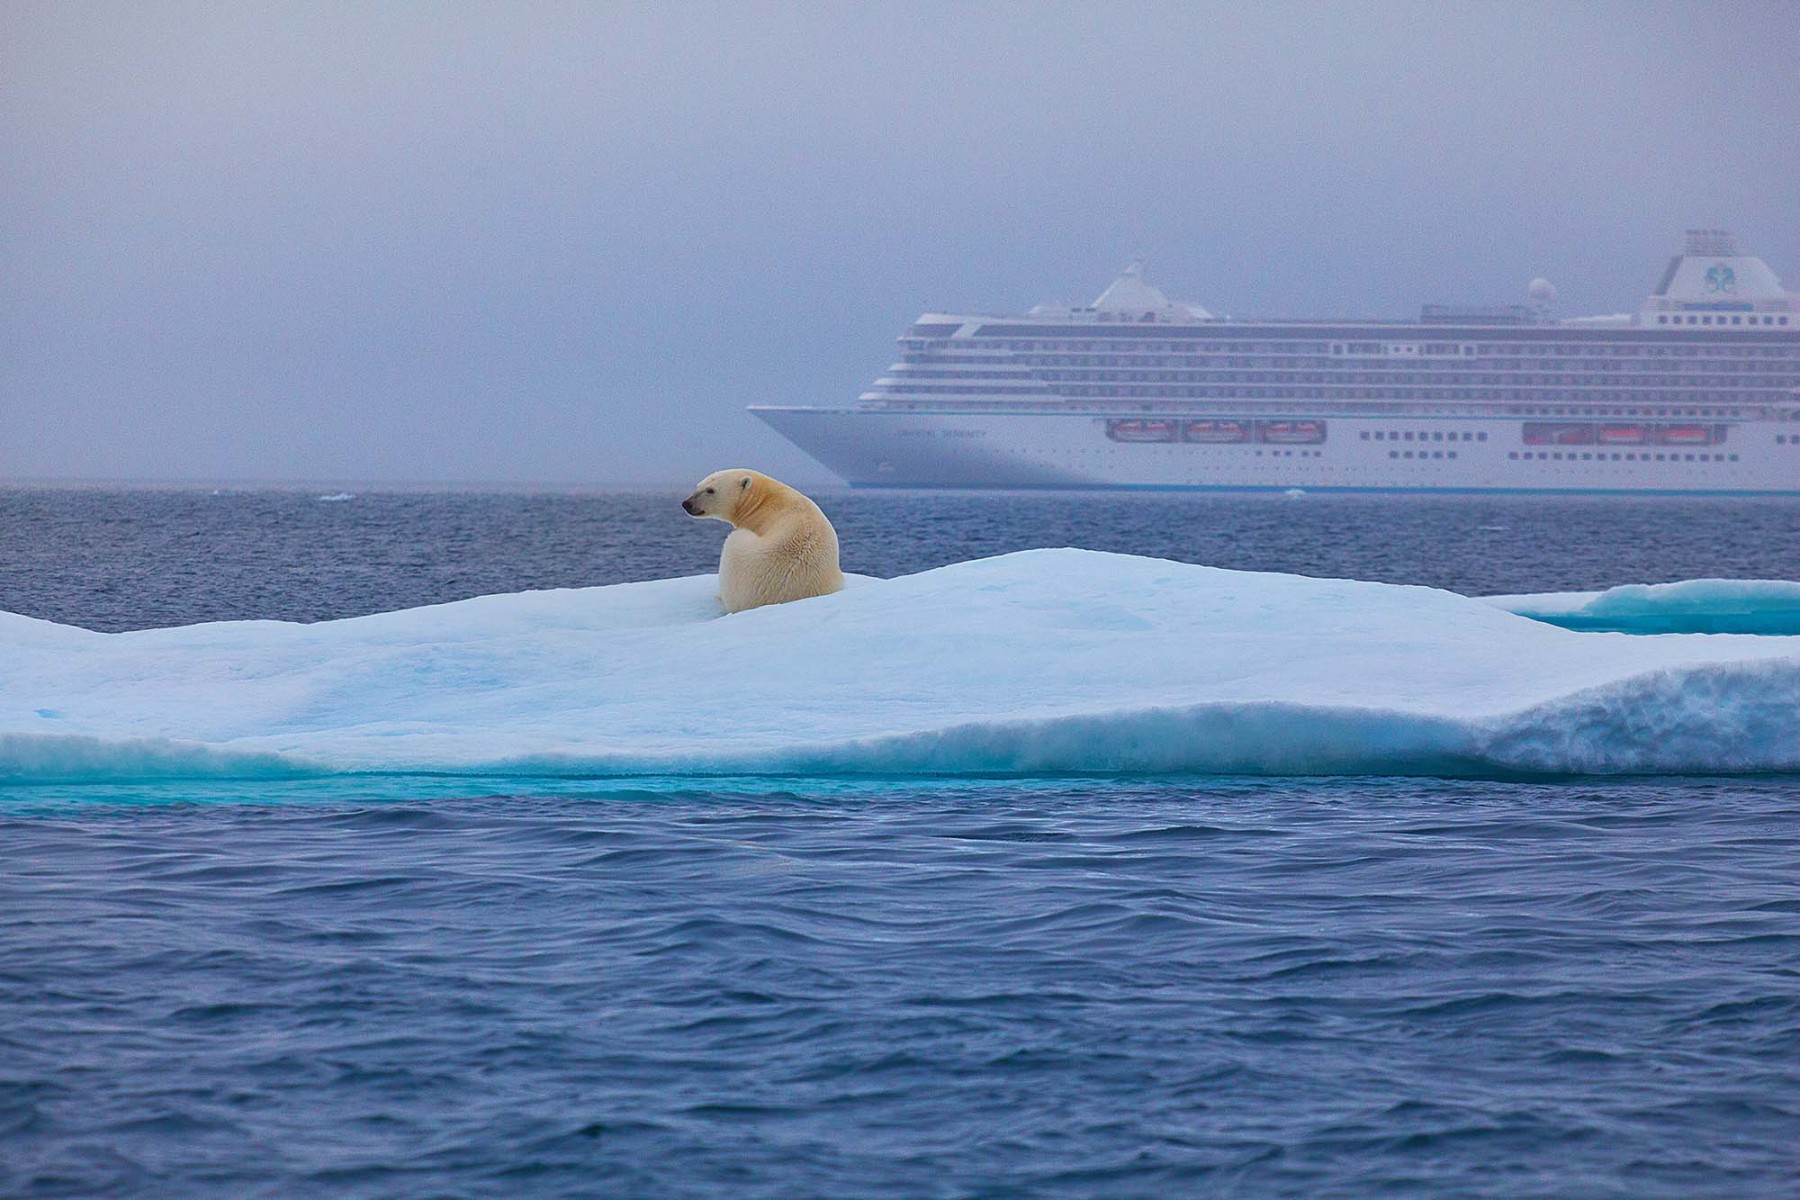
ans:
(1712, 272)
(1712, 282)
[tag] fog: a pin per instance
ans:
(549, 243)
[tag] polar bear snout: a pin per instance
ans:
(696, 504)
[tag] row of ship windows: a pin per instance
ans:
(1703, 319)
(1588, 395)
(1596, 395)
(1747, 358)
(1154, 368)
(1485, 349)
(1589, 411)
(1571, 456)
(1157, 366)
(1407, 435)
(1746, 376)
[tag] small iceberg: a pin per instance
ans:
(1042, 662)
(336, 497)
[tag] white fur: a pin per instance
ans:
(781, 547)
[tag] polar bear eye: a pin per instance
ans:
(712, 491)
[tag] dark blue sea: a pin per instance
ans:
(853, 987)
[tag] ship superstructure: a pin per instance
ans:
(1697, 391)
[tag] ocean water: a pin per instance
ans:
(789, 987)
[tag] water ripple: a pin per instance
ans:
(1047, 989)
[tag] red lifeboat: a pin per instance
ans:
(1141, 431)
(1293, 433)
(1216, 431)
(1686, 435)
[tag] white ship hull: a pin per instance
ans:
(1412, 453)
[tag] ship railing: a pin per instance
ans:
(1264, 407)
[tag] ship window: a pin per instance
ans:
(1393, 454)
(1481, 437)
(1365, 435)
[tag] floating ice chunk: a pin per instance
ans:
(1048, 661)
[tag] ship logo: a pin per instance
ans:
(1721, 278)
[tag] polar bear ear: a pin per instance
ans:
(743, 483)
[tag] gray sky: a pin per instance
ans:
(569, 242)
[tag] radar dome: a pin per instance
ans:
(1541, 291)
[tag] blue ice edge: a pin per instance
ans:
(1039, 664)
(1762, 607)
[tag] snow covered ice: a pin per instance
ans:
(1047, 661)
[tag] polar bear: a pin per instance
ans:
(780, 548)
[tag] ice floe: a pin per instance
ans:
(1048, 661)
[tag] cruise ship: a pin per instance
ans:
(1697, 391)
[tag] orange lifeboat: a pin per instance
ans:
(1216, 431)
(1293, 433)
(1686, 435)
(1141, 431)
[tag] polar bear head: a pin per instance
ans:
(721, 494)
